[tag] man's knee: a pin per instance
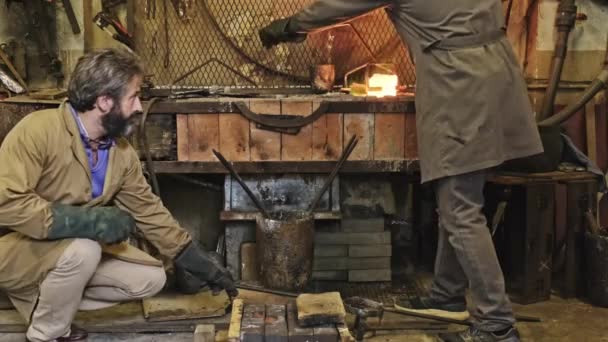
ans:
(81, 254)
(149, 280)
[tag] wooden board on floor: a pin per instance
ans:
(265, 145)
(252, 325)
(168, 307)
(204, 333)
(322, 308)
(275, 324)
(296, 332)
(297, 147)
(325, 333)
(234, 331)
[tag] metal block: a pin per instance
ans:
(331, 251)
(352, 238)
(281, 193)
(369, 275)
(365, 225)
(236, 234)
(362, 251)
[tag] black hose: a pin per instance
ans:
(599, 83)
(144, 143)
(566, 17)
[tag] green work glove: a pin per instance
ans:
(199, 268)
(103, 224)
(280, 31)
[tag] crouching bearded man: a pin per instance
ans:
(71, 190)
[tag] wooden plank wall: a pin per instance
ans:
(382, 136)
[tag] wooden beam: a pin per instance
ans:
(214, 106)
(351, 166)
(591, 130)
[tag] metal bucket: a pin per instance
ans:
(285, 249)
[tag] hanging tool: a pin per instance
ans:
(11, 67)
(167, 42)
(69, 11)
(150, 9)
(104, 20)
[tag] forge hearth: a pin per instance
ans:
(222, 37)
(285, 170)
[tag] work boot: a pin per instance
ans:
(475, 335)
(455, 308)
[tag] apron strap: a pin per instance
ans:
(461, 42)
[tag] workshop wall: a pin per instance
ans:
(586, 47)
(14, 32)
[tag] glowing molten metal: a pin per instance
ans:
(381, 85)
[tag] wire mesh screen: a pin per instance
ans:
(218, 39)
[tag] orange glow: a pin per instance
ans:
(381, 85)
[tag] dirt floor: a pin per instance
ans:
(562, 320)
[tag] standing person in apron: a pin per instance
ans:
(472, 114)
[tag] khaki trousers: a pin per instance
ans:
(85, 280)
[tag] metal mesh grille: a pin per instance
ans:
(220, 37)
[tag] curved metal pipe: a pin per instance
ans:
(599, 83)
(566, 17)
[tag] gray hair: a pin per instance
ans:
(104, 72)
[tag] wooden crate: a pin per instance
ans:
(524, 243)
(382, 136)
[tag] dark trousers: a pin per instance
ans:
(466, 255)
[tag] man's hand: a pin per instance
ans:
(103, 224)
(194, 262)
(279, 31)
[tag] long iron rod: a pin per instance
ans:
(236, 176)
(347, 151)
(266, 290)
(519, 318)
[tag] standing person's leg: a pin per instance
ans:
(447, 295)
(460, 201)
(450, 281)
(61, 291)
(117, 281)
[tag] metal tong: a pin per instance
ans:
(238, 178)
(347, 151)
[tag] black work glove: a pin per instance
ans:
(280, 31)
(103, 224)
(195, 268)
